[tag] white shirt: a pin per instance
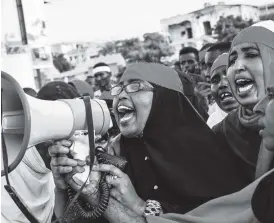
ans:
(216, 116)
(34, 184)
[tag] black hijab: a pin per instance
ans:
(177, 160)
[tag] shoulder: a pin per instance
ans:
(114, 145)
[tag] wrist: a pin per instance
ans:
(140, 207)
(59, 190)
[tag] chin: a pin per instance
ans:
(269, 143)
(128, 133)
(248, 102)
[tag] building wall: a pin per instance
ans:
(267, 9)
(173, 27)
(20, 67)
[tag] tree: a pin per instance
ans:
(61, 63)
(155, 47)
(228, 27)
(151, 49)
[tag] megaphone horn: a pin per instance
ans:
(27, 121)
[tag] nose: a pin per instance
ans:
(239, 66)
(261, 105)
(223, 83)
(123, 94)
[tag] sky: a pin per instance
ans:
(104, 20)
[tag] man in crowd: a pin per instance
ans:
(189, 61)
(102, 75)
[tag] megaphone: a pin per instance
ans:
(27, 121)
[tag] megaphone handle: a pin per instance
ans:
(89, 120)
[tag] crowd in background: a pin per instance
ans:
(190, 133)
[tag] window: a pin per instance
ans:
(183, 33)
(207, 27)
(189, 33)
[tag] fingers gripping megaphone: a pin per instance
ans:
(27, 121)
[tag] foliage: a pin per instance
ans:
(61, 63)
(151, 49)
(228, 27)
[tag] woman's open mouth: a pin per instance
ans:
(226, 96)
(244, 86)
(125, 113)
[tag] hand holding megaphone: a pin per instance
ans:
(65, 169)
(28, 121)
(61, 164)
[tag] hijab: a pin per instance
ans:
(184, 158)
(82, 87)
(262, 34)
(219, 62)
(239, 129)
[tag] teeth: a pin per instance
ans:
(126, 117)
(123, 108)
(245, 88)
(225, 95)
(242, 81)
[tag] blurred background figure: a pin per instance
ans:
(202, 54)
(30, 91)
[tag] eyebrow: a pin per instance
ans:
(244, 49)
(134, 80)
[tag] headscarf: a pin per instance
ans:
(263, 199)
(185, 160)
(262, 34)
(34, 183)
(56, 90)
(219, 62)
(82, 87)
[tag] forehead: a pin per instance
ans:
(187, 56)
(243, 46)
(219, 70)
(211, 56)
(134, 80)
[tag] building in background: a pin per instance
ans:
(24, 48)
(16, 57)
(82, 53)
(267, 9)
(195, 28)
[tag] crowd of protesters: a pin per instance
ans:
(198, 139)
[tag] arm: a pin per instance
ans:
(61, 199)
(117, 213)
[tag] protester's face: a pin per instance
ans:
(245, 74)
(188, 62)
(203, 69)
(131, 110)
(265, 108)
(221, 91)
(210, 57)
(102, 78)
